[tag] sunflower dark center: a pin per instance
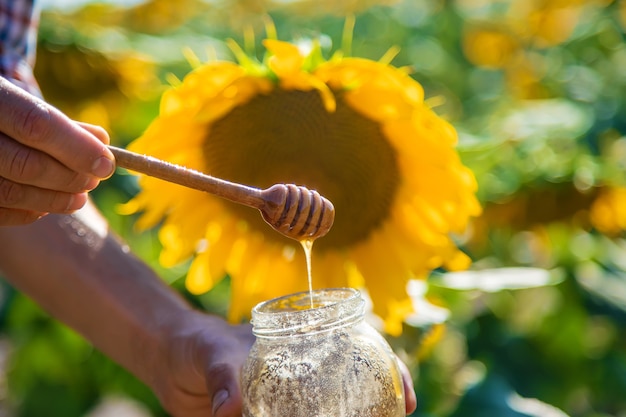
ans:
(289, 137)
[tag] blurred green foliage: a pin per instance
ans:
(537, 91)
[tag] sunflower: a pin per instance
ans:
(356, 130)
(608, 211)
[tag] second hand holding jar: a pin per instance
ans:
(324, 361)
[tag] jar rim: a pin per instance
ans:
(292, 314)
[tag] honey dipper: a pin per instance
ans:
(294, 211)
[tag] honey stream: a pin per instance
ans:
(307, 245)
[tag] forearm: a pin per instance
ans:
(79, 272)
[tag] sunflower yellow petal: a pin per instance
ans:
(375, 89)
(389, 296)
(234, 94)
(199, 280)
(151, 211)
(458, 261)
(175, 249)
(186, 135)
(329, 269)
(184, 227)
(285, 59)
(263, 276)
(608, 211)
(220, 242)
(353, 275)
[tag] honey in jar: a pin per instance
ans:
(315, 356)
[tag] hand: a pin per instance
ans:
(47, 161)
(410, 399)
(197, 371)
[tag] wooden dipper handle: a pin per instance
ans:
(180, 175)
(296, 212)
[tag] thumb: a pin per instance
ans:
(223, 389)
(409, 391)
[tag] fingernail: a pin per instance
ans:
(90, 184)
(103, 167)
(76, 202)
(70, 202)
(219, 398)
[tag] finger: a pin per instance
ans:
(223, 389)
(409, 391)
(14, 217)
(98, 131)
(25, 197)
(25, 165)
(38, 125)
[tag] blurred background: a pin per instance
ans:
(537, 92)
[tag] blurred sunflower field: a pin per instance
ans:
(475, 151)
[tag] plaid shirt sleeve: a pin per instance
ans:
(18, 42)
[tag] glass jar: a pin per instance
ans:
(315, 356)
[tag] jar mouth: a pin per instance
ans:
(293, 314)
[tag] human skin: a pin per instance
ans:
(47, 162)
(81, 273)
(58, 249)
